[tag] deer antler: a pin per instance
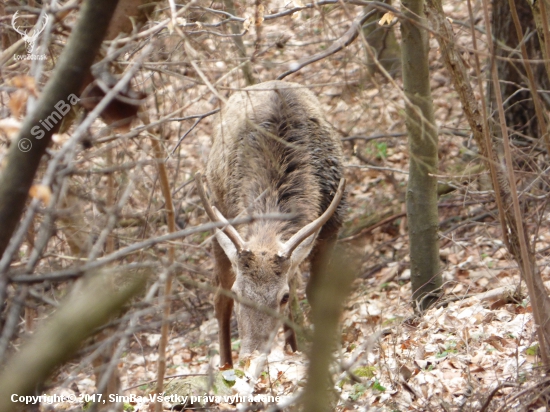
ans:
(216, 216)
(41, 29)
(312, 227)
(22, 33)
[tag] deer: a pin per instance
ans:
(30, 38)
(273, 152)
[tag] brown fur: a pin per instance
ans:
(273, 152)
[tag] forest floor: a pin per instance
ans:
(476, 344)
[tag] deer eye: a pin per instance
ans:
(285, 298)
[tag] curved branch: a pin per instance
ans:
(344, 41)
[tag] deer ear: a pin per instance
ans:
(303, 250)
(227, 246)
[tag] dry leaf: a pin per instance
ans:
(297, 3)
(387, 18)
(260, 15)
(25, 82)
(405, 372)
(247, 23)
(187, 355)
(407, 344)
(60, 138)
(17, 102)
(41, 192)
(10, 127)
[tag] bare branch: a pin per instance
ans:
(344, 41)
(72, 273)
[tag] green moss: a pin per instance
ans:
(532, 350)
(365, 371)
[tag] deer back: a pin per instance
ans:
(273, 151)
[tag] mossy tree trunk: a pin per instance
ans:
(422, 187)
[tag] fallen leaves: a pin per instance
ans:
(10, 127)
(42, 193)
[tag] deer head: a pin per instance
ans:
(30, 38)
(263, 266)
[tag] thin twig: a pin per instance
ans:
(76, 272)
(347, 38)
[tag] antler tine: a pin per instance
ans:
(22, 33)
(216, 216)
(45, 19)
(231, 232)
(204, 199)
(312, 227)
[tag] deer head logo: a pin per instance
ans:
(30, 37)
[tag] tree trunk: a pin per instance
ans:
(383, 44)
(504, 181)
(541, 19)
(332, 289)
(239, 44)
(518, 101)
(422, 187)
